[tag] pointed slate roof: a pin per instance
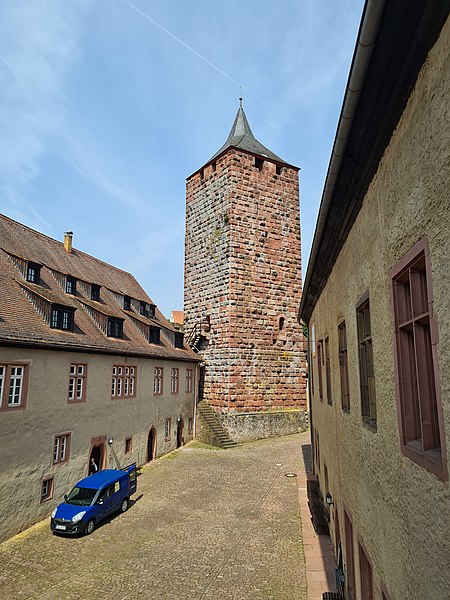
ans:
(241, 137)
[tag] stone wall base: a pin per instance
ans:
(245, 427)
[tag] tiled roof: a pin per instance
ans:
(24, 305)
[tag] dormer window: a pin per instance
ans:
(154, 336)
(95, 292)
(62, 317)
(179, 339)
(71, 285)
(115, 327)
(126, 303)
(33, 272)
(146, 309)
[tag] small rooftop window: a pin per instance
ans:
(95, 292)
(115, 327)
(154, 336)
(127, 303)
(71, 285)
(33, 272)
(179, 339)
(62, 317)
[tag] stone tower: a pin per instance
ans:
(243, 286)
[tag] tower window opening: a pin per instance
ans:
(279, 169)
(259, 163)
(202, 174)
(281, 323)
(214, 165)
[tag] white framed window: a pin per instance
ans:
(158, 381)
(77, 383)
(61, 448)
(174, 381)
(123, 383)
(13, 386)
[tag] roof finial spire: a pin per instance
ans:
(240, 98)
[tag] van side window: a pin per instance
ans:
(116, 487)
(104, 494)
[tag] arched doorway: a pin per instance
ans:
(151, 444)
(96, 458)
(180, 427)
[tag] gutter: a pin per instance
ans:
(373, 11)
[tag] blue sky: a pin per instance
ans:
(106, 106)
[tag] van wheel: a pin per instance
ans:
(89, 527)
(124, 505)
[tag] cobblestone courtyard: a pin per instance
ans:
(205, 524)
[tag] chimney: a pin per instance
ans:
(68, 241)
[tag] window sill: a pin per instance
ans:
(431, 460)
(370, 424)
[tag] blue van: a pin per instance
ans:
(93, 499)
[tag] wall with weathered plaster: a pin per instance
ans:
(243, 273)
(400, 511)
(258, 425)
(26, 441)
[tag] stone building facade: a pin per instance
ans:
(89, 369)
(377, 306)
(243, 285)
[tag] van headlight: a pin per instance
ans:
(78, 516)
(54, 512)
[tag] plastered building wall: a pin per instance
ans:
(399, 510)
(243, 274)
(26, 441)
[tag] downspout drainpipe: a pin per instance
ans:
(373, 11)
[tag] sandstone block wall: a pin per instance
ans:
(243, 273)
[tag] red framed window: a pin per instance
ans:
(319, 367)
(365, 575)
(328, 371)
(343, 366)
(415, 341)
(158, 381)
(349, 557)
(13, 386)
(188, 387)
(47, 489)
(123, 383)
(128, 445)
(167, 429)
(77, 383)
(366, 366)
(61, 448)
(174, 378)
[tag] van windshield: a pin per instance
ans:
(81, 496)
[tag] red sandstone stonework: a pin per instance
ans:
(243, 276)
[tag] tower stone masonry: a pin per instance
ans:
(243, 286)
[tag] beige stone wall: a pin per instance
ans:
(26, 441)
(243, 271)
(400, 511)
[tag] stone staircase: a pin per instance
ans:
(210, 429)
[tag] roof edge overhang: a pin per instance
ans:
(392, 44)
(55, 347)
(281, 163)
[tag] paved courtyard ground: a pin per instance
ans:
(220, 524)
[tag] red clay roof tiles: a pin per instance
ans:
(21, 313)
